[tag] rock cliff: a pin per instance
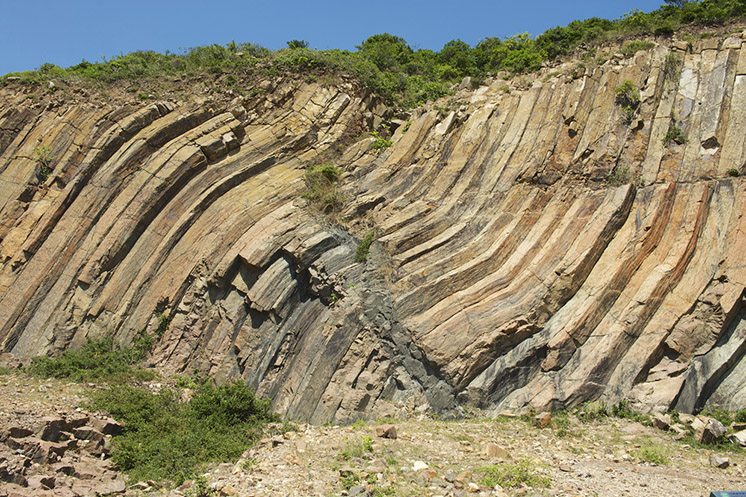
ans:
(534, 248)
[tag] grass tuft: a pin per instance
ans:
(322, 187)
(357, 448)
(513, 475)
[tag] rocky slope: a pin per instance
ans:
(532, 248)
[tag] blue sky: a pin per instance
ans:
(64, 32)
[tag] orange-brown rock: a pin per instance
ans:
(533, 250)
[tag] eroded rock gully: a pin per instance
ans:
(508, 270)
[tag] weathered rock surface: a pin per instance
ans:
(509, 272)
(64, 457)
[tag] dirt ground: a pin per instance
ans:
(601, 458)
(610, 457)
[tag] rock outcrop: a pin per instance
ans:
(533, 248)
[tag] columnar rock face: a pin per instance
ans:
(533, 248)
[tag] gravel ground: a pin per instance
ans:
(610, 457)
(447, 458)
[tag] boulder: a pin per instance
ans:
(386, 431)
(543, 419)
(43, 482)
(661, 421)
(88, 433)
(717, 461)
(709, 430)
(76, 420)
(54, 430)
(739, 438)
(494, 451)
(108, 426)
(19, 432)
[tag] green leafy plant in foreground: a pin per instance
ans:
(168, 440)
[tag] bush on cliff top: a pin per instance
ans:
(387, 65)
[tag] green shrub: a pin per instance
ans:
(674, 135)
(733, 172)
(625, 411)
(387, 65)
(99, 359)
(363, 248)
(513, 475)
(349, 480)
(163, 323)
(723, 415)
(672, 68)
(321, 187)
(169, 441)
(297, 44)
(628, 98)
(561, 423)
(592, 411)
(630, 48)
(379, 142)
(201, 488)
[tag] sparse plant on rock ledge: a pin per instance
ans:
(380, 142)
(630, 48)
(672, 67)
(618, 176)
(675, 134)
(321, 187)
(44, 158)
(363, 249)
(628, 98)
(733, 172)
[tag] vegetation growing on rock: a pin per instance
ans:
(628, 98)
(321, 187)
(675, 134)
(387, 65)
(363, 248)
